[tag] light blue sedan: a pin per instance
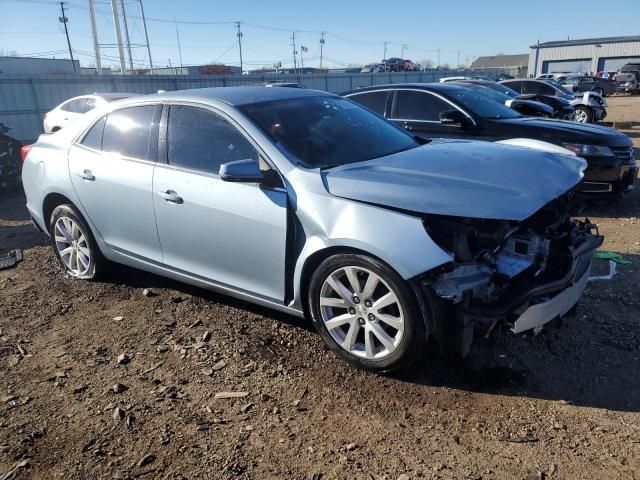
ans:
(305, 202)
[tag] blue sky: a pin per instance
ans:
(356, 30)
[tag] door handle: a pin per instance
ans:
(171, 196)
(87, 175)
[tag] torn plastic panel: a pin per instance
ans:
(524, 273)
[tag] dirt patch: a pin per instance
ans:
(562, 404)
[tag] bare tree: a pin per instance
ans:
(427, 64)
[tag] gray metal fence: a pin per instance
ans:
(24, 101)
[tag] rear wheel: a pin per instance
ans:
(73, 243)
(599, 91)
(584, 114)
(366, 313)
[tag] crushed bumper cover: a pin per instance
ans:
(537, 315)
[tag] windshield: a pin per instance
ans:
(321, 132)
(488, 92)
(499, 87)
(559, 87)
(481, 105)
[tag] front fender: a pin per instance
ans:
(398, 239)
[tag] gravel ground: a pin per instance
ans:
(107, 380)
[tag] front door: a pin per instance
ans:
(111, 170)
(419, 112)
(233, 234)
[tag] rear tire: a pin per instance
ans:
(599, 91)
(584, 114)
(74, 244)
(366, 313)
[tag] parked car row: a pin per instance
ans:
(627, 79)
(393, 64)
(458, 110)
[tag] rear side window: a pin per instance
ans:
(539, 88)
(420, 106)
(202, 140)
(374, 101)
(128, 132)
(517, 86)
(93, 138)
(79, 105)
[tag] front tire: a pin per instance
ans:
(584, 114)
(74, 244)
(366, 313)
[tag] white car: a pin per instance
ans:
(73, 108)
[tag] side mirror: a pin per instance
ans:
(453, 117)
(244, 171)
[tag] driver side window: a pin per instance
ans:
(199, 139)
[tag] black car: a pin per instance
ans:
(451, 111)
(562, 108)
(587, 83)
(590, 107)
(10, 164)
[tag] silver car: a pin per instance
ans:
(307, 203)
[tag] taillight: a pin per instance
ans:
(24, 151)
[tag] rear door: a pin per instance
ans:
(111, 169)
(233, 234)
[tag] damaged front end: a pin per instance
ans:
(524, 273)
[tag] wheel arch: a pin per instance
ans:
(313, 261)
(427, 302)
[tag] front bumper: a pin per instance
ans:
(608, 175)
(543, 312)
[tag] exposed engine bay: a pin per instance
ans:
(502, 268)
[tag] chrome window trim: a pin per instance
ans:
(392, 89)
(386, 90)
(444, 99)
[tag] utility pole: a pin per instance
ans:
(126, 35)
(295, 62)
(321, 47)
(438, 58)
(240, 44)
(384, 57)
(179, 49)
(404, 47)
(458, 64)
(94, 32)
(63, 19)
(146, 36)
(116, 26)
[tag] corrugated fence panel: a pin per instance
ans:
(24, 101)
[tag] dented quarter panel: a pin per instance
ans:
(457, 178)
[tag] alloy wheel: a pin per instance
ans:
(581, 116)
(361, 312)
(72, 246)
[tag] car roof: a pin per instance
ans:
(235, 95)
(434, 87)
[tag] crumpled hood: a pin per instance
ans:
(460, 178)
